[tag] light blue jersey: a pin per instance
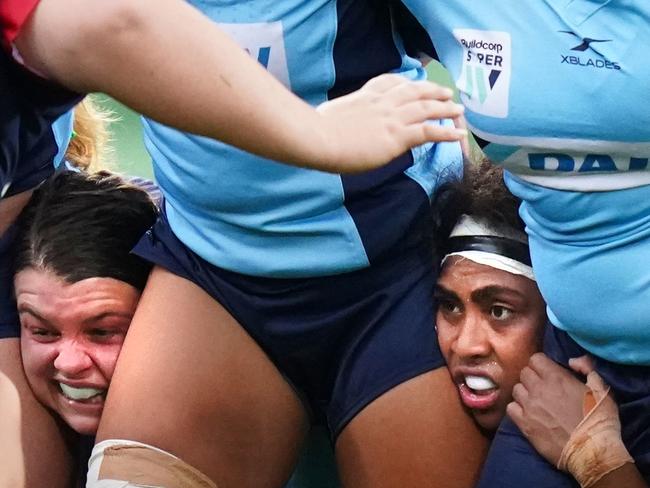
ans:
(258, 217)
(558, 91)
(62, 129)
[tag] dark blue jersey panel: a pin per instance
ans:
(364, 45)
(416, 39)
(384, 203)
(9, 323)
(28, 107)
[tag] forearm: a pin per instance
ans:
(11, 454)
(166, 60)
(627, 475)
(33, 452)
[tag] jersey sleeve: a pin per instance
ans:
(13, 15)
(29, 105)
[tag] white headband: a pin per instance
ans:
(504, 248)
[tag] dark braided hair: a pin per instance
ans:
(482, 194)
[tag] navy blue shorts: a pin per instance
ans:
(9, 324)
(341, 340)
(513, 462)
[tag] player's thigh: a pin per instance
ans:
(192, 382)
(415, 435)
(32, 449)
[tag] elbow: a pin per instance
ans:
(104, 41)
(75, 42)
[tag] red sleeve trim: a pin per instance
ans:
(13, 15)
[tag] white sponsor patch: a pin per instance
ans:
(484, 80)
(264, 41)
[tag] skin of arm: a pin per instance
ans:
(10, 452)
(547, 407)
(33, 452)
(165, 59)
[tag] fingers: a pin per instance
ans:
(384, 82)
(461, 123)
(545, 367)
(583, 365)
(418, 90)
(541, 364)
(547, 370)
(597, 385)
(423, 132)
(520, 394)
(516, 413)
(401, 89)
(422, 100)
(529, 377)
(416, 126)
(422, 110)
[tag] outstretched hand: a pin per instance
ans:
(387, 116)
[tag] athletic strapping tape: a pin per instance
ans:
(503, 248)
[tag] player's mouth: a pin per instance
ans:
(477, 391)
(82, 394)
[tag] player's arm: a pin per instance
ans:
(627, 475)
(165, 59)
(573, 425)
(33, 452)
(11, 456)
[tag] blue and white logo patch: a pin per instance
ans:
(484, 80)
(264, 41)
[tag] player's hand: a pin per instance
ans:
(547, 405)
(383, 119)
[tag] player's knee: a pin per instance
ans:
(125, 464)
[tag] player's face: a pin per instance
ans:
(489, 324)
(71, 336)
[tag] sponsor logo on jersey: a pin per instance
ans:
(264, 41)
(584, 60)
(484, 80)
(585, 163)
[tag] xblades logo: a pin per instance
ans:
(599, 62)
(586, 41)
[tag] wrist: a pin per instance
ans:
(595, 447)
(594, 459)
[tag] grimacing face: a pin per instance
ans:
(71, 336)
(489, 323)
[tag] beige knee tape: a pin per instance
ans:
(595, 447)
(126, 464)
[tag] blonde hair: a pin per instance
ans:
(89, 147)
